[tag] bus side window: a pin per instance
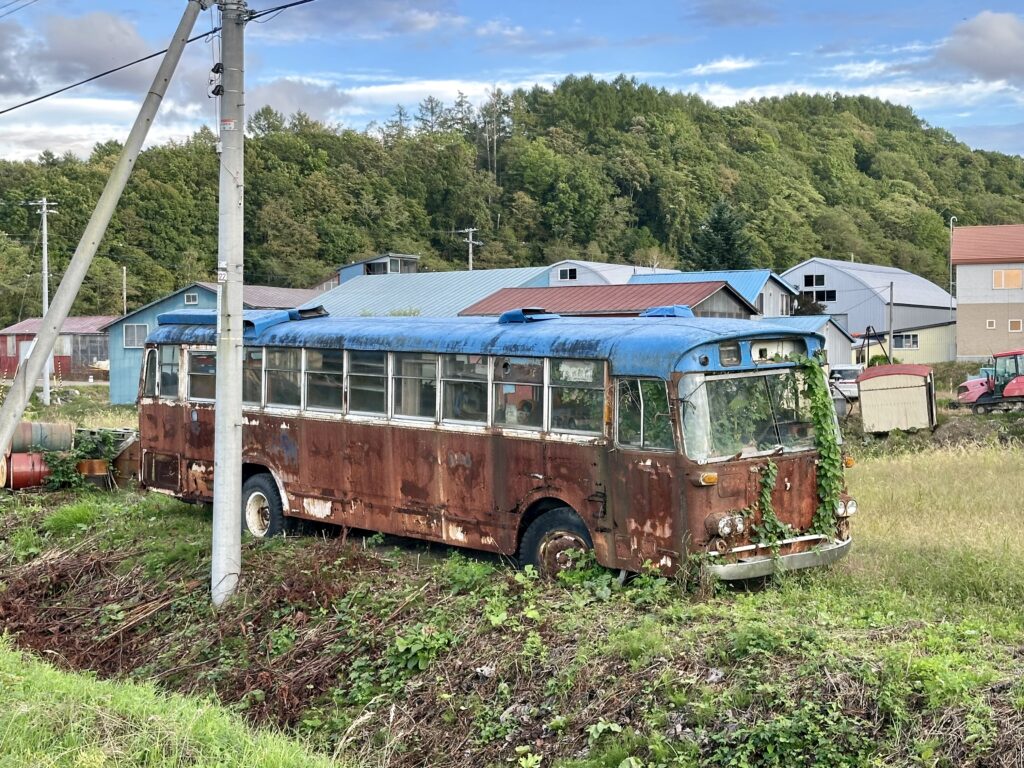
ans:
(519, 392)
(464, 385)
(368, 382)
(283, 366)
(414, 385)
(577, 396)
(325, 381)
(149, 379)
(252, 376)
(643, 419)
(202, 375)
(169, 360)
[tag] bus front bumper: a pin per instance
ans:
(759, 565)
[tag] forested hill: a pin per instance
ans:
(607, 171)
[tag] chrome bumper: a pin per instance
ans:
(760, 565)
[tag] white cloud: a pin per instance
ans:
(859, 70)
(725, 64)
(990, 46)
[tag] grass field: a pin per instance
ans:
(911, 652)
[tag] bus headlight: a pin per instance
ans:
(724, 525)
(846, 508)
(851, 507)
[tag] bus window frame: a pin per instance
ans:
(549, 402)
(394, 377)
(150, 358)
(487, 381)
(263, 379)
(279, 407)
(677, 441)
(374, 416)
(321, 410)
(179, 393)
(189, 352)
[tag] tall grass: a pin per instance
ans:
(943, 521)
(53, 719)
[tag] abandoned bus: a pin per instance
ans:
(645, 439)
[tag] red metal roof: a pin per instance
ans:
(997, 244)
(73, 325)
(601, 299)
(900, 369)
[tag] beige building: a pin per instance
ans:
(924, 344)
(989, 265)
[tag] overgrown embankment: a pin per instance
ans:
(909, 653)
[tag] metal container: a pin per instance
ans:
(41, 434)
(26, 470)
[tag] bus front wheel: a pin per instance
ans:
(552, 540)
(262, 512)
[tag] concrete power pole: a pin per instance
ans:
(53, 320)
(226, 562)
(468, 232)
(45, 207)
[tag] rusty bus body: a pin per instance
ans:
(489, 432)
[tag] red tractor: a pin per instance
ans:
(1004, 390)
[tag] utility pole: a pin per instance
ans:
(124, 290)
(226, 561)
(890, 321)
(45, 207)
(24, 381)
(952, 221)
(469, 239)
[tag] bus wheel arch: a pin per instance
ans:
(251, 468)
(549, 539)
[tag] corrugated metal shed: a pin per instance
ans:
(600, 299)
(73, 325)
(424, 294)
(998, 244)
(270, 297)
(748, 283)
(907, 288)
(808, 323)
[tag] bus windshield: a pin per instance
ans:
(745, 415)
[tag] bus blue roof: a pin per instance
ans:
(636, 346)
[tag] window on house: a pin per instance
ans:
(376, 268)
(990, 325)
(169, 357)
(368, 382)
(252, 376)
(519, 392)
(576, 394)
(567, 273)
(830, 295)
(1015, 326)
(1007, 279)
(283, 367)
(325, 379)
(414, 385)
(905, 341)
(191, 298)
(464, 388)
(135, 335)
(814, 281)
(820, 296)
(395, 266)
(202, 375)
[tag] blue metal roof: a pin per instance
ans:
(748, 283)
(636, 346)
(807, 323)
(422, 294)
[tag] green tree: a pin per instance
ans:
(721, 241)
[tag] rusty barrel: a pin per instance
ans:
(41, 434)
(26, 470)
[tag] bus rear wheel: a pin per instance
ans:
(552, 540)
(262, 511)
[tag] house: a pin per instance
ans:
(708, 299)
(768, 292)
(923, 344)
(989, 264)
(859, 295)
(838, 343)
(81, 343)
(385, 264)
(576, 272)
(128, 333)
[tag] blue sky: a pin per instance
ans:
(959, 65)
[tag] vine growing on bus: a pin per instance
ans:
(826, 440)
(770, 530)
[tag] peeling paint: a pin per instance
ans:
(318, 508)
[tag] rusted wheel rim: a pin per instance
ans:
(257, 514)
(556, 551)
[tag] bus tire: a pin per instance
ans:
(262, 511)
(551, 538)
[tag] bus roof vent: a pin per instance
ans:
(673, 310)
(526, 315)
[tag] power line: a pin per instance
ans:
(15, 10)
